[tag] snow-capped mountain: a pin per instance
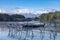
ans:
(27, 12)
(30, 15)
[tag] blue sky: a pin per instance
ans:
(30, 4)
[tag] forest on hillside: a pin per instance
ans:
(45, 17)
(14, 17)
(51, 16)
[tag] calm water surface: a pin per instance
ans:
(37, 34)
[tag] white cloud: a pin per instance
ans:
(19, 11)
(40, 11)
(2, 11)
(23, 11)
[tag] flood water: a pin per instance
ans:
(34, 34)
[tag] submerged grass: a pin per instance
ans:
(58, 27)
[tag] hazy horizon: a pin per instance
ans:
(29, 6)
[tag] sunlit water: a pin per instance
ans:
(37, 35)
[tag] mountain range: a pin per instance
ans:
(27, 12)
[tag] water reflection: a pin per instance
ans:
(11, 33)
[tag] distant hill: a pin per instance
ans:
(14, 17)
(50, 16)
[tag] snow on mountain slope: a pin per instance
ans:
(27, 12)
(30, 15)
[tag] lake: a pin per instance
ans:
(11, 33)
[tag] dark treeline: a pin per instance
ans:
(14, 17)
(51, 16)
